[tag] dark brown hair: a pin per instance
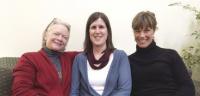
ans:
(144, 19)
(93, 17)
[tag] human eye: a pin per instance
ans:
(101, 26)
(65, 37)
(146, 30)
(56, 34)
(93, 27)
(136, 31)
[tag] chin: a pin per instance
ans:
(98, 45)
(143, 46)
(58, 49)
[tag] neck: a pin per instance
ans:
(98, 57)
(146, 50)
(98, 51)
(51, 52)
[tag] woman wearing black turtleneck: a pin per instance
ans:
(156, 71)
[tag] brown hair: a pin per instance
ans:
(91, 19)
(53, 22)
(144, 19)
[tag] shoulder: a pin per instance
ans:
(28, 58)
(33, 56)
(30, 54)
(80, 60)
(169, 51)
(131, 55)
(118, 52)
(71, 53)
(81, 56)
(171, 54)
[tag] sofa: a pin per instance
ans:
(7, 64)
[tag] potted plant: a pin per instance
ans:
(191, 52)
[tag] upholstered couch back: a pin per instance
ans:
(6, 66)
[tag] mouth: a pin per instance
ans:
(142, 41)
(58, 43)
(98, 37)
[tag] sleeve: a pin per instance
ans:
(75, 85)
(184, 81)
(23, 79)
(74, 53)
(125, 80)
(131, 66)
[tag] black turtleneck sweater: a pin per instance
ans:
(159, 72)
(54, 57)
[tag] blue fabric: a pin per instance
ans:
(118, 81)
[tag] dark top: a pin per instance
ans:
(54, 57)
(159, 72)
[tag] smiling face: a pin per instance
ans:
(98, 33)
(144, 25)
(144, 37)
(57, 37)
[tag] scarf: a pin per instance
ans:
(102, 62)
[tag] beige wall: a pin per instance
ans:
(23, 21)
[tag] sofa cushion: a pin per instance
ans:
(8, 62)
(197, 87)
(6, 66)
(5, 81)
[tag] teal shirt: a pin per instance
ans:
(54, 57)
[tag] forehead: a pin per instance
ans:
(98, 21)
(144, 28)
(58, 27)
(142, 25)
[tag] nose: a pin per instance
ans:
(60, 37)
(97, 30)
(142, 34)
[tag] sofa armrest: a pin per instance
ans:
(6, 67)
(197, 87)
